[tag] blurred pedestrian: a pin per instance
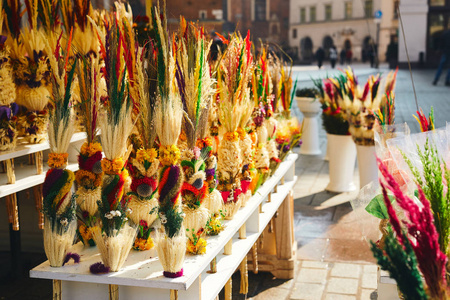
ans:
(349, 56)
(342, 56)
(445, 57)
(392, 53)
(333, 56)
(372, 56)
(320, 55)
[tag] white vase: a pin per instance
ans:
(342, 159)
(367, 165)
(310, 109)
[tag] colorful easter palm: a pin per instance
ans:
(58, 204)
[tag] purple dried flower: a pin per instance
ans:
(98, 268)
(74, 256)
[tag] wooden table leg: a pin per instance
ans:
(10, 171)
(173, 294)
(113, 292)
(229, 290)
(39, 162)
(57, 290)
(38, 198)
(243, 232)
(13, 211)
(212, 266)
(255, 258)
(228, 249)
(244, 277)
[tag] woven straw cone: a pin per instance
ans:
(246, 149)
(171, 251)
(7, 87)
(229, 159)
(57, 243)
(213, 202)
(245, 198)
(140, 210)
(262, 159)
(87, 199)
(272, 149)
(195, 219)
(271, 126)
(34, 99)
(67, 200)
(231, 208)
(114, 250)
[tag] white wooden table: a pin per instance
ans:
(141, 276)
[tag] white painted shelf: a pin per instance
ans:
(26, 178)
(23, 148)
(142, 272)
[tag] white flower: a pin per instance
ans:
(64, 222)
(183, 215)
(109, 216)
(125, 219)
(163, 218)
(118, 213)
(129, 210)
(113, 213)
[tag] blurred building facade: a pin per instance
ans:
(346, 24)
(266, 19)
(424, 22)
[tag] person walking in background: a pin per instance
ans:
(342, 56)
(333, 56)
(320, 55)
(445, 57)
(392, 53)
(371, 54)
(349, 56)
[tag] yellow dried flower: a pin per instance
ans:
(242, 133)
(198, 248)
(57, 160)
(148, 155)
(169, 155)
(90, 149)
(231, 136)
(112, 167)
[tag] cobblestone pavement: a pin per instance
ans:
(334, 259)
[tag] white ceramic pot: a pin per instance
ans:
(310, 109)
(342, 159)
(367, 165)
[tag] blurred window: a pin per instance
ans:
(348, 10)
(368, 9)
(328, 12)
(437, 2)
(294, 33)
(260, 10)
(312, 14)
(203, 14)
(302, 15)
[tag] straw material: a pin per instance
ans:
(172, 251)
(114, 249)
(272, 149)
(34, 99)
(140, 210)
(87, 199)
(7, 86)
(195, 219)
(262, 159)
(229, 162)
(57, 242)
(246, 149)
(231, 208)
(214, 202)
